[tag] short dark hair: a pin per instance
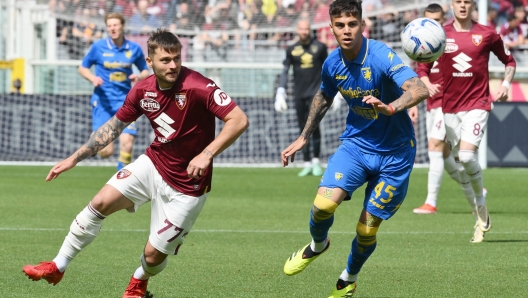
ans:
(434, 8)
(511, 17)
(346, 7)
(163, 38)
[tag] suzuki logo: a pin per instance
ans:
(462, 62)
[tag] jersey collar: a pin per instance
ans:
(112, 46)
(362, 55)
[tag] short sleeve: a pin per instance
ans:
(393, 67)
(90, 58)
(328, 84)
(130, 111)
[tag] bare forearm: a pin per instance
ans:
(105, 135)
(86, 73)
(509, 73)
(415, 92)
(318, 109)
(233, 128)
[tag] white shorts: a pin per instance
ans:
(468, 126)
(172, 213)
(435, 124)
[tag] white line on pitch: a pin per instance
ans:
(260, 231)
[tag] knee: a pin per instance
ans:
(323, 208)
(467, 156)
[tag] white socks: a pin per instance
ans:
(474, 172)
(83, 231)
(318, 246)
(144, 271)
(348, 277)
(451, 167)
(436, 170)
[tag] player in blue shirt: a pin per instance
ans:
(378, 144)
(113, 58)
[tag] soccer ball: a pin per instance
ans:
(423, 40)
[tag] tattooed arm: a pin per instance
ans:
(320, 105)
(502, 94)
(105, 135)
(415, 92)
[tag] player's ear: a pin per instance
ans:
(149, 61)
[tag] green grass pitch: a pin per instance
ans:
(253, 220)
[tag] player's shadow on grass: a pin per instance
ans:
(149, 295)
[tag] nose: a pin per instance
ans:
(172, 64)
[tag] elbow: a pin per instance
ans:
(245, 124)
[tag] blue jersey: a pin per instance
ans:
(114, 66)
(379, 72)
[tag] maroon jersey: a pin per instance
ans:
(464, 67)
(435, 77)
(183, 119)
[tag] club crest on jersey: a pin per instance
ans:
(338, 176)
(180, 100)
(123, 174)
(128, 54)
(314, 48)
(477, 39)
(367, 74)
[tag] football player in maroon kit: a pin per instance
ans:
(439, 154)
(467, 99)
(175, 172)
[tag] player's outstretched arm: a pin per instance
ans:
(236, 122)
(320, 105)
(106, 134)
(415, 92)
(502, 94)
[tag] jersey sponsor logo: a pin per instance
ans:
(117, 77)
(367, 74)
(358, 93)
(108, 54)
(451, 48)
(180, 100)
(450, 40)
(367, 113)
(297, 51)
(123, 174)
(210, 85)
(149, 105)
(338, 176)
(477, 39)
(434, 69)
(221, 98)
(338, 77)
(151, 94)
(307, 60)
(163, 140)
(164, 121)
(462, 65)
(397, 66)
(114, 64)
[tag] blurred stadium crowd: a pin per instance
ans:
(241, 30)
